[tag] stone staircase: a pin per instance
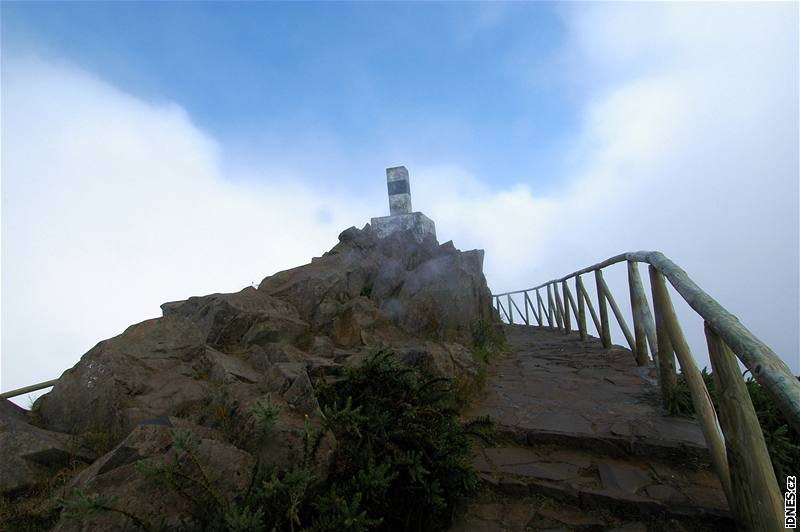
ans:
(584, 444)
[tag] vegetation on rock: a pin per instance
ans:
(401, 463)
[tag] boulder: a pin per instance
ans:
(443, 297)
(365, 284)
(452, 360)
(122, 474)
(149, 370)
(248, 317)
(210, 364)
(31, 455)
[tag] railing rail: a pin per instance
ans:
(28, 389)
(735, 441)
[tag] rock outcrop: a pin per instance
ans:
(209, 361)
(31, 454)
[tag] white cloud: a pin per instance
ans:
(112, 205)
(689, 146)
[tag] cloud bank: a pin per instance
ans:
(689, 146)
(112, 205)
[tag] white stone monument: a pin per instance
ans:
(401, 217)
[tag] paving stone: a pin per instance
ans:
(630, 527)
(502, 456)
(513, 487)
(480, 463)
(598, 439)
(568, 455)
(548, 471)
(563, 422)
(569, 516)
(623, 477)
(661, 492)
(704, 496)
(489, 511)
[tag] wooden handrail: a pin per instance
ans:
(28, 389)
(764, 364)
(735, 440)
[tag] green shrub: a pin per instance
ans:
(401, 463)
(403, 457)
(488, 339)
(783, 443)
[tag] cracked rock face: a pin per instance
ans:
(32, 454)
(208, 360)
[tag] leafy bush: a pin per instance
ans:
(403, 456)
(488, 339)
(783, 443)
(401, 463)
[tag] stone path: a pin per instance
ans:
(585, 445)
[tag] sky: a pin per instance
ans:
(154, 151)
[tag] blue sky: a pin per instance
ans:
(359, 78)
(155, 151)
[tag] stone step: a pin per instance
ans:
(497, 513)
(631, 488)
(615, 445)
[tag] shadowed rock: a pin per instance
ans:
(209, 360)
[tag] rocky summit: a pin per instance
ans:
(208, 362)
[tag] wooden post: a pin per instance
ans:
(620, 318)
(500, 304)
(567, 314)
(542, 315)
(551, 307)
(585, 295)
(571, 300)
(605, 329)
(581, 309)
(533, 310)
(758, 501)
(561, 318)
(667, 377)
(638, 304)
(559, 308)
(525, 317)
(510, 310)
(525, 302)
(764, 364)
(704, 409)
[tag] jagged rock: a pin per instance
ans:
(227, 368)
(30, 454)
(121, 473)
(279, 352)
(427, 289)
(149, 370)
(450, 359)
(211, 362)
(247, 317)
(360, 322)
(444, 296)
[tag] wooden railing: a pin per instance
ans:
(28, 389)
(735, 441)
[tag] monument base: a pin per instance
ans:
(419, 224)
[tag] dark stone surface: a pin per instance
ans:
(31, 455)
(623, 477)
(584, 430)
(558, 388)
